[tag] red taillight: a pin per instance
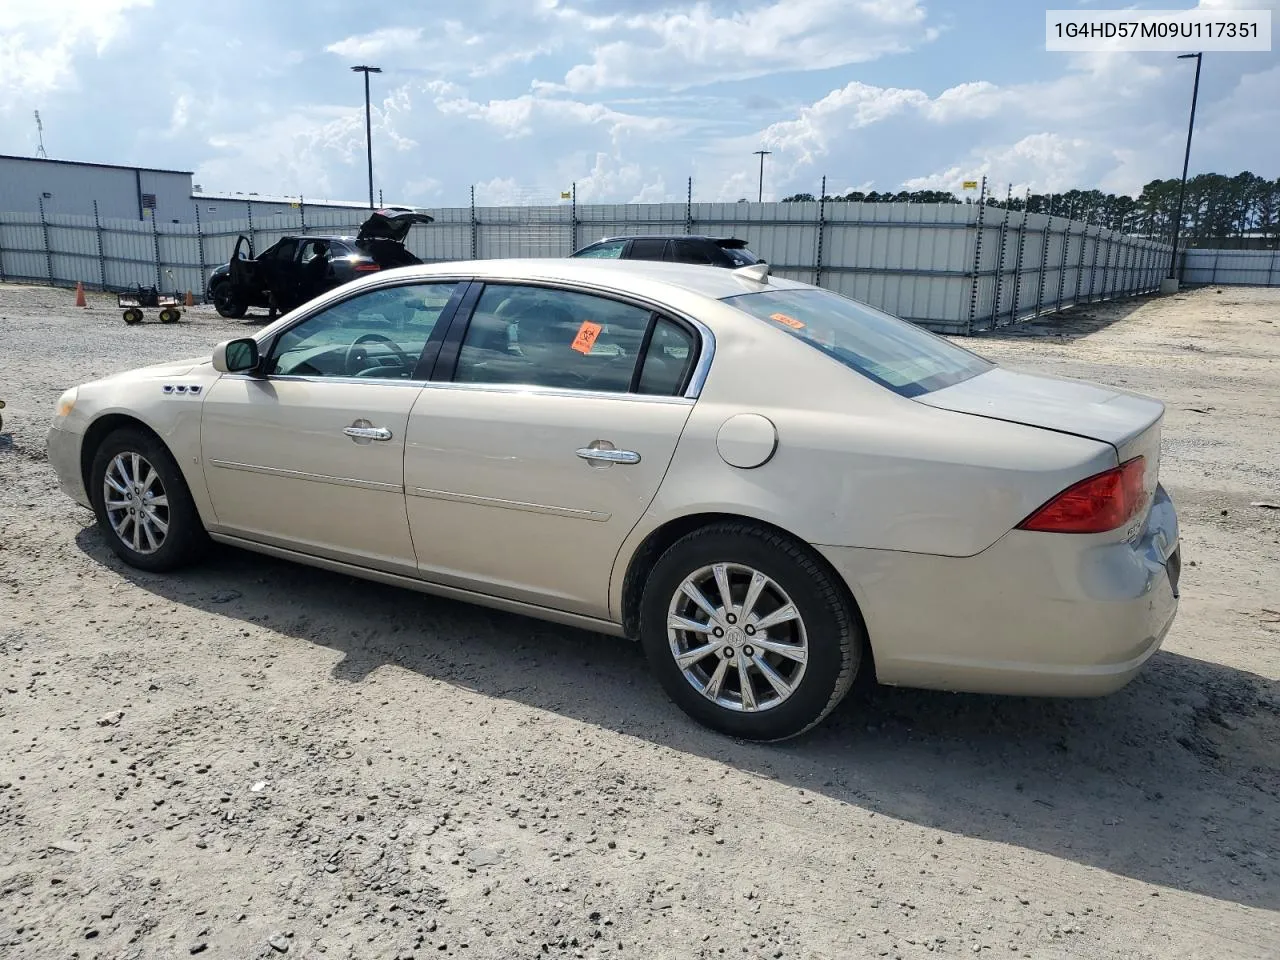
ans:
(366, 267)
(1101, 503)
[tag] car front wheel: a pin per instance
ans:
(748, 632)
(142, 503)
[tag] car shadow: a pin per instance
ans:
(1172, 781)
(1073, 323)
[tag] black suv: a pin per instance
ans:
(713, 251)
(295, 269)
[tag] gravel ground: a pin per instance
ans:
(256, 759)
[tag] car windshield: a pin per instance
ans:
(741, 256)
(896, 354)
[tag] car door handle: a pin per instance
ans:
(367, 433)
(608, 455)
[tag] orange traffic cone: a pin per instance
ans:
(80, 302)
(191, 300)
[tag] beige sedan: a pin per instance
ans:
(774, 488)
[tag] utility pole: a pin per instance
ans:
(761, 154)
(368, 123)
(1186, 159)
(40, 135)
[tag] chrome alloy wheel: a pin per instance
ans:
(136, 502)
(737, 637)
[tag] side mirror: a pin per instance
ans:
(236, 356)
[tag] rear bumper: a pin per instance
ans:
(63, 448)
(1035, 614)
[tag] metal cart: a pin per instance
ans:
(149, 297)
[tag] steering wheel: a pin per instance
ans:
(355, 354)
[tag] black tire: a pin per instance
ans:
(166, 316)
(133, 316)
(185, 539)
(227, 302)
(834, 630)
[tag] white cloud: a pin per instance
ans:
(613, 178)
(369, 45)
(681, 48)
(1043, 162)
(41, 41)
(521, 116)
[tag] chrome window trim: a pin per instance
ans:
(509, 388)
(312, 378)
(697, 380)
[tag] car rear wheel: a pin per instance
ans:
(227, 302)
(142, 503)
(748, 632)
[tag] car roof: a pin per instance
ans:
(670, 236)
(653, 278)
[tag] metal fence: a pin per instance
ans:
(955, 268)
(1244, 268)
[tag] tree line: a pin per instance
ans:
(1218, 211)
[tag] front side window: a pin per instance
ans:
(603, 251)
(562, 339)
(896, 354)
(380, 333)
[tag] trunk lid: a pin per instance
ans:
(391, 223)
(1129, 422)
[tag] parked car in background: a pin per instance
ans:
(773, 487)
(296, 269)
(682, 248)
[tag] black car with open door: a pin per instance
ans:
(296, 269)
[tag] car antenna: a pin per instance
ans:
(759, 272)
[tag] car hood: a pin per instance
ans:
(391, 223)
(159, 371)
(1053, 403)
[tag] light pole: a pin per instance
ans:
(1186, 159)
(761, 154)
(368, 124)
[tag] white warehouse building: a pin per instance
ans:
(29, 185)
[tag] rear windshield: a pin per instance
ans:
(896, 354)
(741, 256)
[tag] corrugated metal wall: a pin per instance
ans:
(957, 268)
(74, 189)
(1251, 268)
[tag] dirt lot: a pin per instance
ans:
(256, 759)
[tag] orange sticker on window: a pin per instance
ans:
(586, 338)
(786, 321)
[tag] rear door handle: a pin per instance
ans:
(608, 455)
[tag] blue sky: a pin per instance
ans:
(626, 98)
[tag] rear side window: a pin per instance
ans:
(690, 251)
(896, 354)
(667, 360)
(647, 249)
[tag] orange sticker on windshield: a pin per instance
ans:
(786, 321)
(586, 338)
